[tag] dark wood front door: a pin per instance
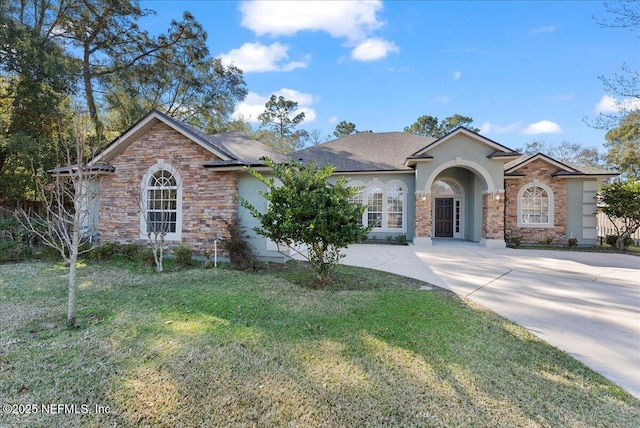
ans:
(444, 218)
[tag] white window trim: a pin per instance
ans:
(160, 165)
(384, 187)
(551, 205)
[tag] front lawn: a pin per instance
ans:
(215, 347)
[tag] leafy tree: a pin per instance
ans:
(102, 35)
(182, 81)
(280, 118)
(430, 127)
(566, 152)
(344, 128)
(36, 80)
(306, 209)
(623, 143)
(622, 202)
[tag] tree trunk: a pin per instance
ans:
(71, 302)
(88, 93)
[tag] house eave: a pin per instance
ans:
(375, 172)
(93, 170)
(583, 175)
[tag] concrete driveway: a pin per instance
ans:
(586, 304)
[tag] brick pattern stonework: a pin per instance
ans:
(207, 195)
(541, 171)
(493, 215)
(423, 215)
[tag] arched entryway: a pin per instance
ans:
(462, 200)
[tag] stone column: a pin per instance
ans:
(493, 219)
(422, 230)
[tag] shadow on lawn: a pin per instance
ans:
(223, 348)
(267, 355)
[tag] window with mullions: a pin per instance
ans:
(395, 202)
(374, 206)
(535, 206)
(162, 203)
(357, 200)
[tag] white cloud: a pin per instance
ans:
(355, 21)
(333, 119)
(609, 104)
(373, 50)
(256, 57)
(349, 19)
(492, 128)
(457, 75)
(253, 105)
(542, 127)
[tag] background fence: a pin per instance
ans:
(606, 227)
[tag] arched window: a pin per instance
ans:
(162, 203)
(535, 206)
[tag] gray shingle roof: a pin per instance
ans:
(366, 151)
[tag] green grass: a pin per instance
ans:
(216, 347)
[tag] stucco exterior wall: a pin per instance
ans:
(581, 210)
(207, 196)
(384, 180)
(542, 172)
(466, 160)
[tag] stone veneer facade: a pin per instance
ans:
(422, 215)
(207, 196)
(493, 216)
(542, 172)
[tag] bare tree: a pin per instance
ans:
(69, 222)
(623, 86)
(158, 200)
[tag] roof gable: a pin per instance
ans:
(499, 149)
(152, 118)
(512, 167)
(230, 147)
(564, 169)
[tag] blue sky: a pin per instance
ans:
(523, 70)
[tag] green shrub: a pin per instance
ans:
(236, 245)
(183, 256)
(572, 242)
(516, 240)
(145, 256)
(612, 239)
(14, 251)
(129, 251)
(105, 251)
(401, 239)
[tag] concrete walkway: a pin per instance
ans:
(587, 304)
